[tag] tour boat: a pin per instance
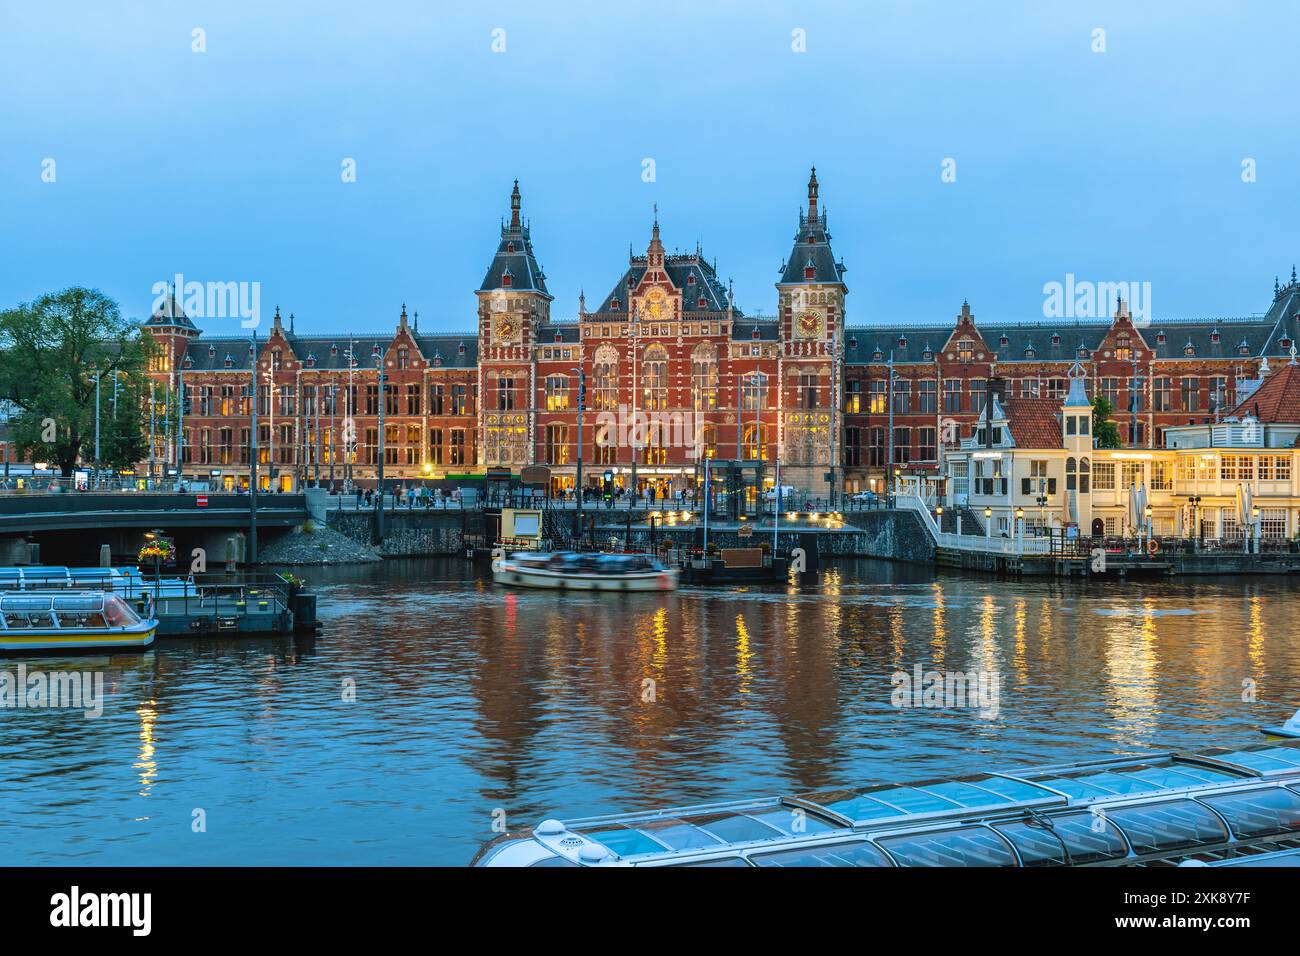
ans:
(1216, 808)
(1288, 731)
(71, 621)
(583, 571)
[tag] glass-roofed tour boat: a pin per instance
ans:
(1216, 808)
(65, 621)
(583, 571)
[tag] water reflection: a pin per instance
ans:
(471, 699)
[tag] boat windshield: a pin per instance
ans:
(118, 613)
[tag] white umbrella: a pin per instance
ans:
(1241, 506)
(1133, 506)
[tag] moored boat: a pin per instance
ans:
(1216, 807)
(583, 571)
(71, 622)
(1288, 731)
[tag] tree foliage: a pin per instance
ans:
(51, 350)
(1105, 433)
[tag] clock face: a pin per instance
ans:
(505, 329)
(809, 325)
(656, 304)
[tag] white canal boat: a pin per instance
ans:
(71, 622)
(583, 571)
(1212, 808)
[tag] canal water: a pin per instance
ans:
(433, 704)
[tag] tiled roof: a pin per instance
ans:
(812, 247)
(1034, 422)
(1277, 400)
(514, 256)
(681, 270)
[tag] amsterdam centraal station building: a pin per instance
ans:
(672, 374)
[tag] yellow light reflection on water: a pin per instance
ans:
(145, 763)
(1131, 662)
(744, 655)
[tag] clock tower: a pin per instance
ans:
(513, 304)
(810, 296)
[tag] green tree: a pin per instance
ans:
(51, 350)
(1105, 433)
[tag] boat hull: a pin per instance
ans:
(514, 576)
(79, 642)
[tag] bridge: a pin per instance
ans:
(70, 511)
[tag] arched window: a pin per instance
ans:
(606, 371)
(655, 378)
(704, 377)
(753, 394)
(1071, 474)
(1085, 476)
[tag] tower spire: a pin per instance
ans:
(812, 194)
(514, 208)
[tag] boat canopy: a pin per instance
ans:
(63, 610)
(1117, 810)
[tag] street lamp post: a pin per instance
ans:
(96, 428)
(582, 401)
(1255, 527)
(383, 400)
(988, 523)
(1020, 526)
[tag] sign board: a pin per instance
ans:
(535, 475)
(742, 557)
(201, 500)
(744, 531)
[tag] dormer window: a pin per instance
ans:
(902, 341)
(614, 305)
(853, 343)
(507, 280)
(927, 355)
(311, 360)
(690, 280)
(559, 337)
(188, 361)
(460, 349)
(510, 247)
(212, 350)
(1214, 336)
(230, 362)
(810, 271)
(877, 356)
(1004, 341)
(1161, 338)
(631, 282)
(1284, 342)
(374, 349)
(1189, 348)
(755, 334)
(1082, 352)
(1030, 351)
(702, 302)
(1056, 339)
(1243, 348)
(334, 350)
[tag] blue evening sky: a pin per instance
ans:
(1117, 166)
